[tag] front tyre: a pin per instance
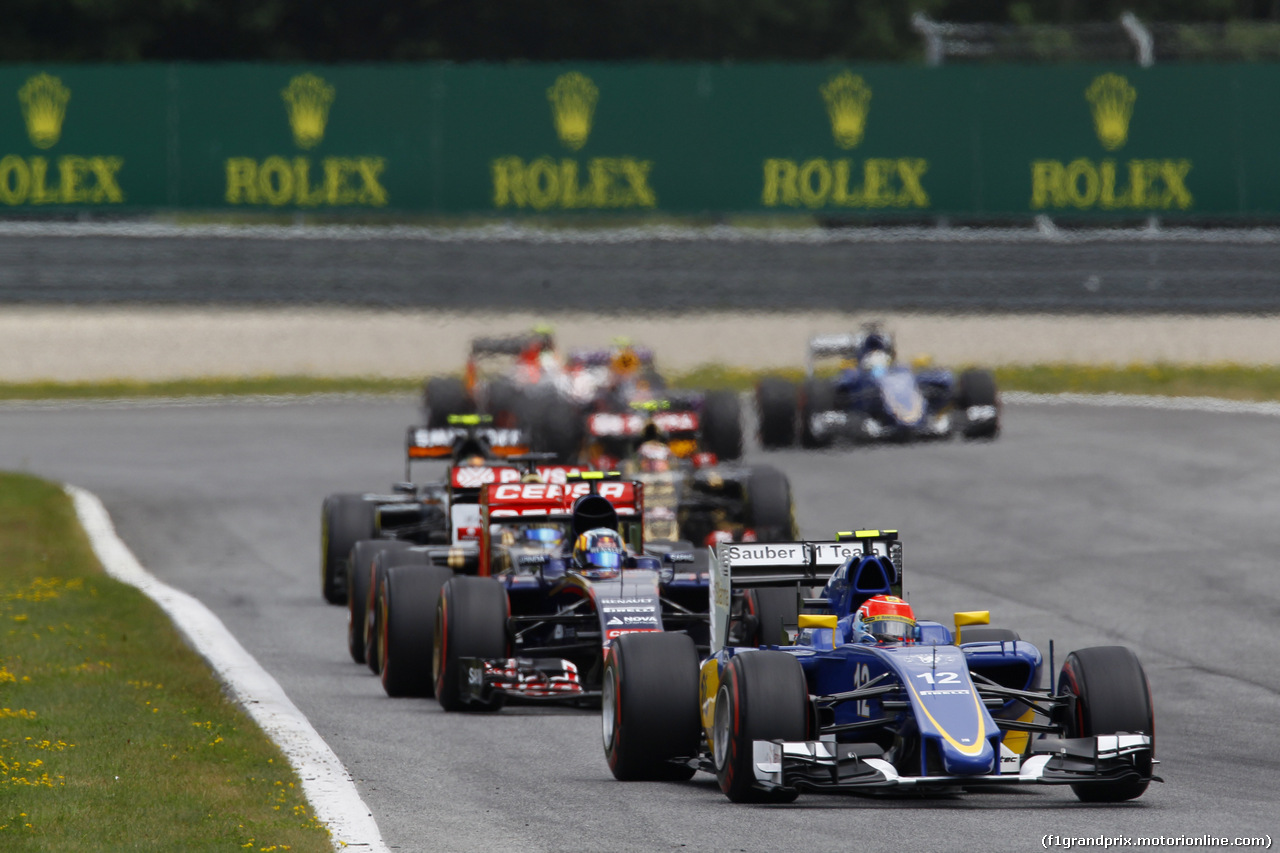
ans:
(762, 696)
(771, 511)
(1111, 695)
(977, 389)
(406, 627)
(344, 520)
(471, 622)
(649, 707)
(722, 424)
(777, 401)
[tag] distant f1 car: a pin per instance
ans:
(579, 405)
(818, 708)
(874, 398)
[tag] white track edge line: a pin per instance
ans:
(1214, 405)
(325, 781)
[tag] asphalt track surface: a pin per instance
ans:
(930, 270)
(1085, 525)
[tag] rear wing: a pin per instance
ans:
(427, 443)
(830, 346)
(743, 565)
(555, 500)
(632, 424)
(511, 345)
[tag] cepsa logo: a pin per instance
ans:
(555, 491)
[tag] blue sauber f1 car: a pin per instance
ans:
(874, 398)
(818, 706)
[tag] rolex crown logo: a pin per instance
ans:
(848, 99)
(307, 97)
(1111, 98)
(44, 105)
(573, 102)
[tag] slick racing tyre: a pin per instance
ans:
(770, 509)
(344, 520)
(359, 576)
(762, 696)
(978, 388)
(1111, 695)
(818, 395)
(767, 611)
(471, 622)
(558, 429)
(776, 404)
(722, 424)
(445, 396)
(382, 561)
(649, 708)
(406, 627)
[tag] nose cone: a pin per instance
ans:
(958, 762)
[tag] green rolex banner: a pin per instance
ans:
(848, 141)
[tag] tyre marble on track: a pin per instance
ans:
(1086, 526)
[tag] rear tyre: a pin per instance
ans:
(770, 508)
(359, 577)
(978, 388)
(776, 403)
(471, 622)
(382, 561)
(407, 618)
(762, 696)
(445, 396)
(722, 424)
(770, 610)
(649, 707)
(558, 430)
(344, 520)
(818, 395)
(1110, 695)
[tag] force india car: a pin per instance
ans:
(874, 398)
(951, 710)
(533, 625)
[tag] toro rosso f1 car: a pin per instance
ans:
(535, 622)
(823, 709)
(874, 398)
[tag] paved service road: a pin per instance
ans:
(610, 271)
(1085, 525)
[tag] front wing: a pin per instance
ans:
(833, 767)
(535, 679)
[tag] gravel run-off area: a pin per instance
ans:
(68, 344)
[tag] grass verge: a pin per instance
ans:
(1229, 381)
(211, 387)
(114, 735)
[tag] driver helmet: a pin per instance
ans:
(886, 619)
(655, 456)
(475, 460)
(600, 548)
